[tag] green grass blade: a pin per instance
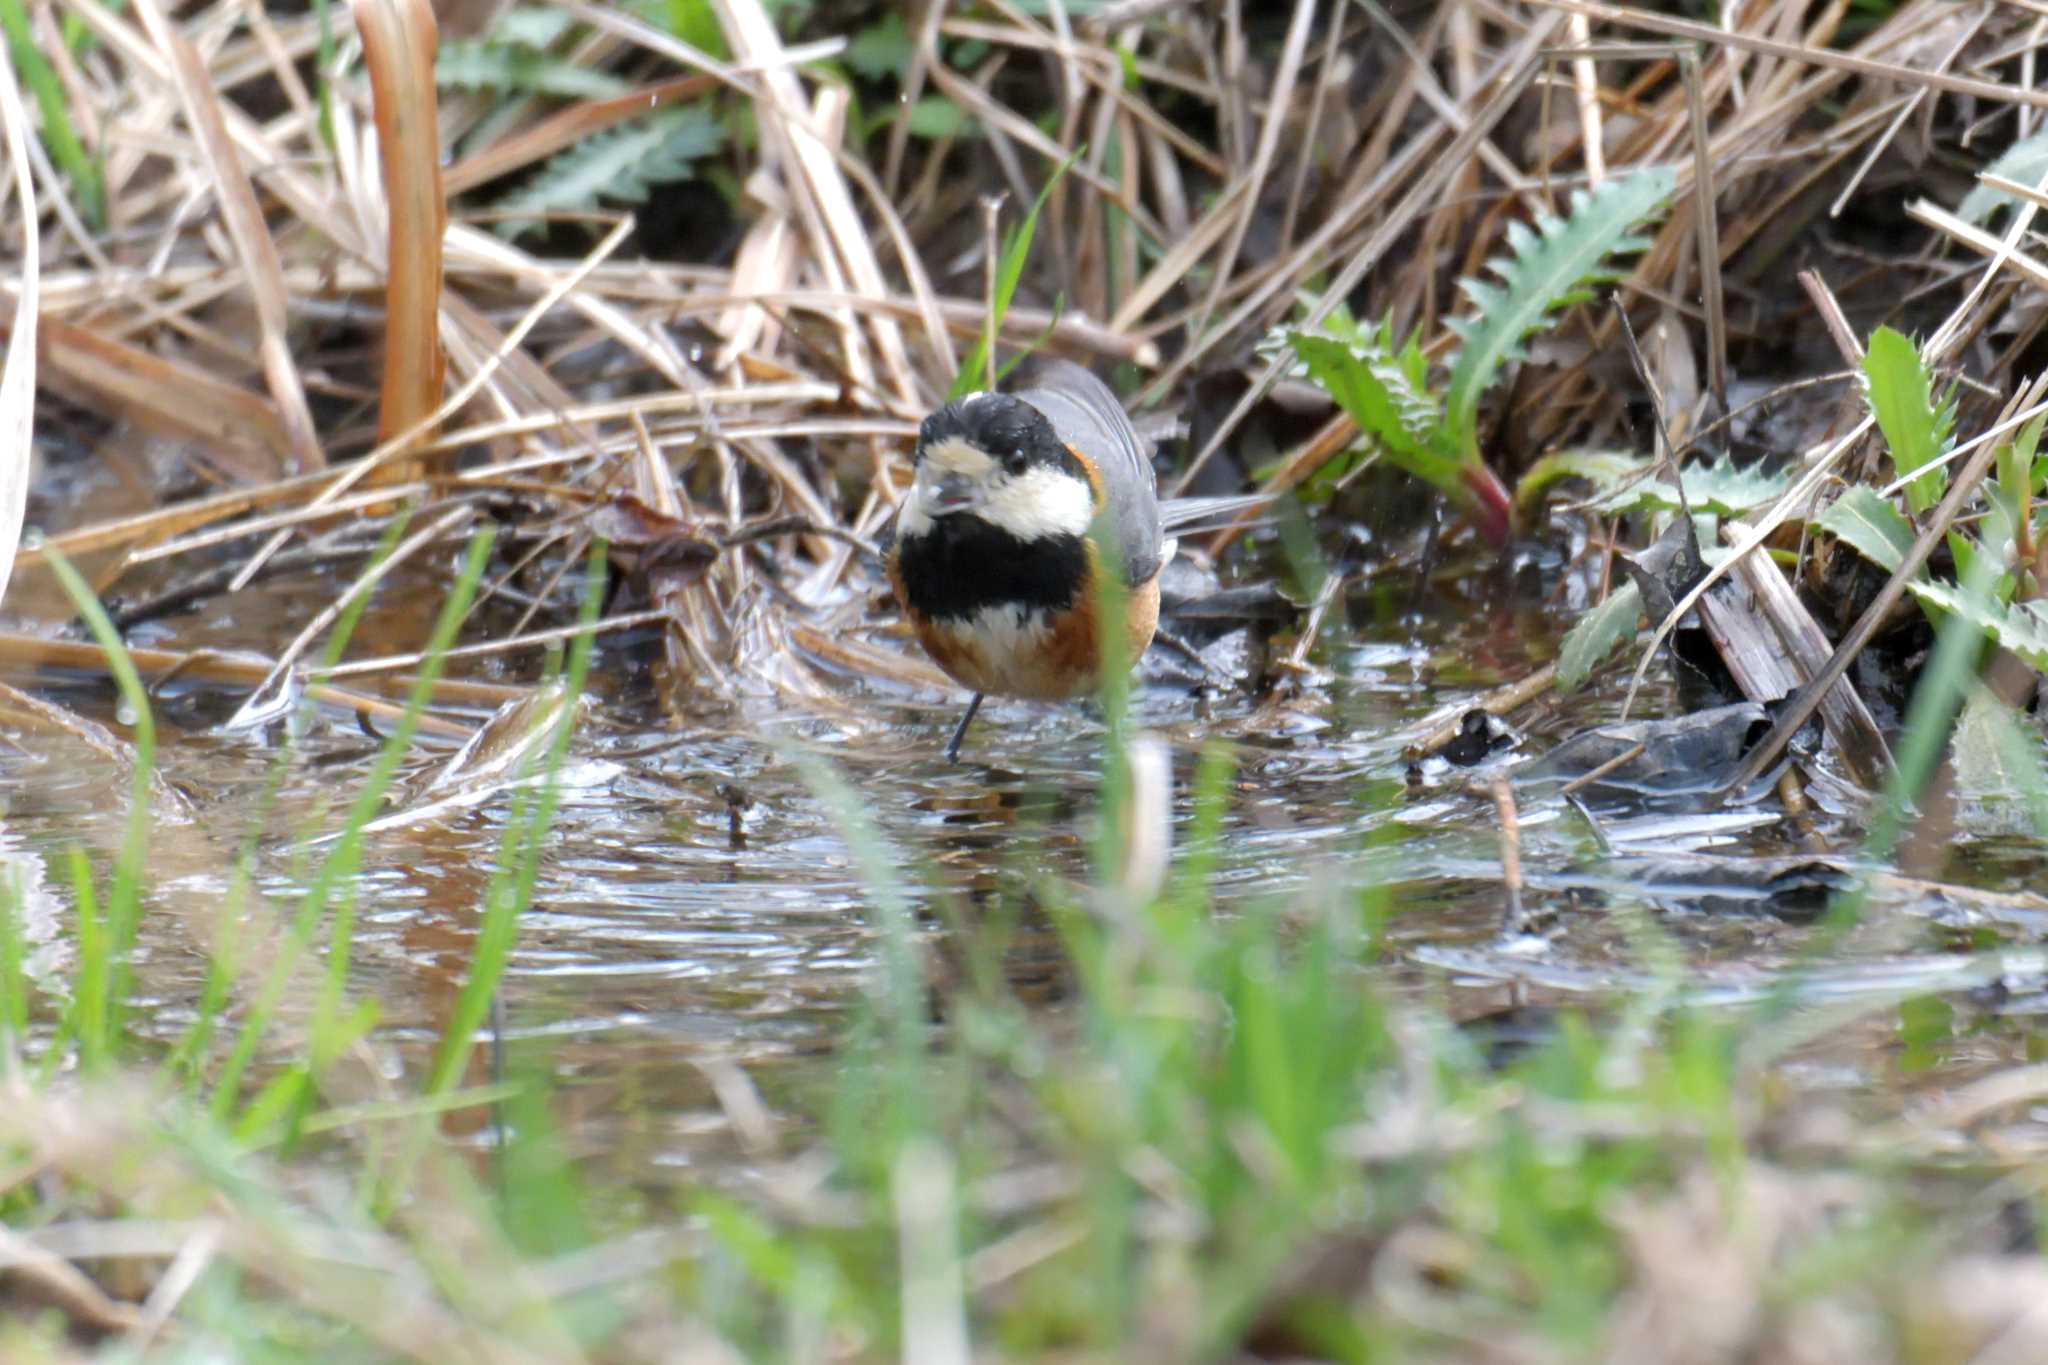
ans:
(85, 1017)
(890, 1097)
(1916, 428)
(224, 953)
(124, 897)
(1930, 717)
(511, 886)
(58, 135)
(13, 963)
(978, 370)
(187, 1060)
(337, 870)
(506, 897)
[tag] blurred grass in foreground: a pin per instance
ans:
(1229, 1140)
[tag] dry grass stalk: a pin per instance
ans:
(254, 247)
(399, 40)
(18, 369)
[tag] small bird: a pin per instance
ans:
(993, 559)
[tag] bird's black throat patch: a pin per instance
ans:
(964, 564)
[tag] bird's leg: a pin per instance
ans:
(960, 730)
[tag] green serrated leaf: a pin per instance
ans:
(1729, 489)
(696, 23)
(1369, 384)
(1373, 386)
(2026, 161)
(1606, 470)
(882, 49)
(620, 166)
(465, 64)
(1869, 521)
(2021, 627)
(1722, 488)
(1596, 635)
(1553, 262)
(935, 116)
(1916, 427)
(532, 27)
(1997, 752)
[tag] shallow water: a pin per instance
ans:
(698, 902)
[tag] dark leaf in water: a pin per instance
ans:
(1796, 890)
(1668, 569)
(1687, 755)
(630, 524)
(1512, 1034)
(668, 553)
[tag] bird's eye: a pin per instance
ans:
(1016, 460)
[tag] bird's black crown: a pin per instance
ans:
(1002, 425)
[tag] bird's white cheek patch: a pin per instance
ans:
(912, 520)
(1041, 502)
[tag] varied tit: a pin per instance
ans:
(997, 553)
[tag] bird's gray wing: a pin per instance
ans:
(1087, 416)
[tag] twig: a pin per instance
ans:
(1799, 52)
(1831, 315)
(1708, 227)
(529, 640)
(259, 700)
(1510, 853)
(992, 266)
(1592, 775)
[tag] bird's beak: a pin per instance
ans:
(946, 493)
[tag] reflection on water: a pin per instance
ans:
(697, 900)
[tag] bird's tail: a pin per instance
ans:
(1208, 514)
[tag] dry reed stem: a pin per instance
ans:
(237, 670)
(238, 429)
(1278, 100)
(399, 41)
(18, 370)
